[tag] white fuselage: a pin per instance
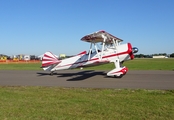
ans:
(123, 53)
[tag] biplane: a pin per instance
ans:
(104, 48)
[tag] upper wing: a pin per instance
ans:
(98, 37)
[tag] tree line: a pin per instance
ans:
(150, 56)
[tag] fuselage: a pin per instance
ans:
(123, 53)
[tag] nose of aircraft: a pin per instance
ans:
(134, 49)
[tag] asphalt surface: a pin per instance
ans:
(89, 79)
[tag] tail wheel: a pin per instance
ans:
(51, 73)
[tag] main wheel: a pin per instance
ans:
(120, 76)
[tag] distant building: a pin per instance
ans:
(40, 57)
(26, 57)
(21, 57)
(62, 56)
(160, 56)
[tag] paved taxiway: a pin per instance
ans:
(88, 78)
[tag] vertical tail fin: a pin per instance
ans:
(49, 59)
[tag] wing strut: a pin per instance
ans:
(104, 40)
(90, 50)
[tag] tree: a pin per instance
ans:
(172, 55)
(139, 56)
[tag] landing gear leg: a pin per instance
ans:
(119, 70)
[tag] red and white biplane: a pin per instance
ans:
(104, 48)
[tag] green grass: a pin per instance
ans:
(141, 64)
(51, 103)
(151, 64)
(21, 66)
(136, 64)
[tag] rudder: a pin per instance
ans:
(49, 59)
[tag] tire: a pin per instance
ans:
(120, 76)
(51, 74)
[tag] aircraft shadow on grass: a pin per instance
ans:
(77, 76)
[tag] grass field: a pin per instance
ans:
(21, 66)
(54, 103)
(142, 64)
(51, 103)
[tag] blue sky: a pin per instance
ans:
(37, 26)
